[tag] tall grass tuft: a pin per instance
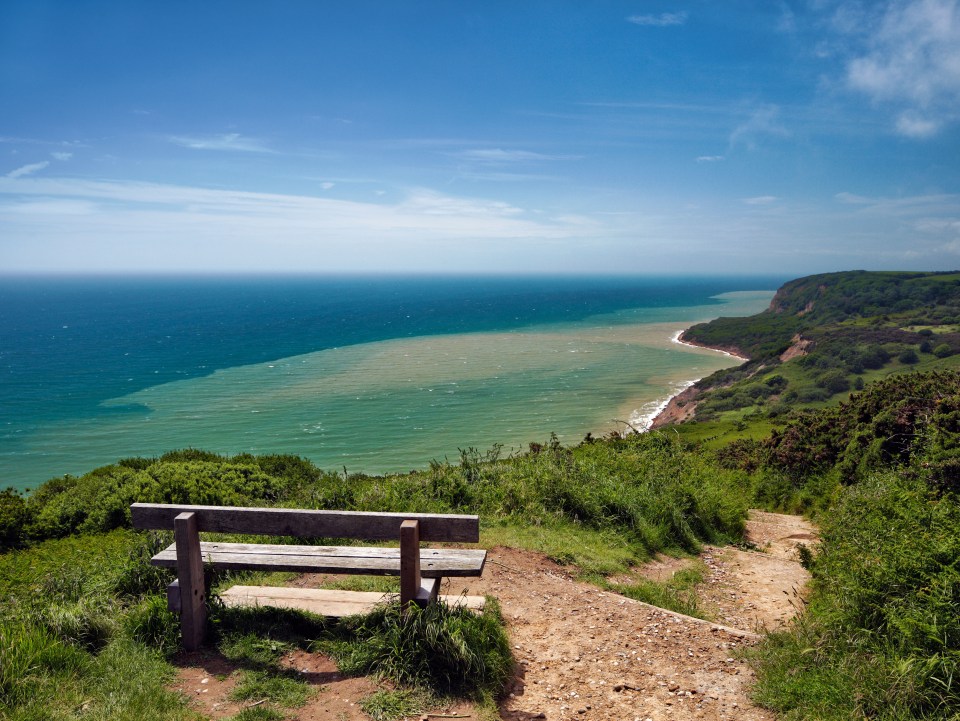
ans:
(446, 650)
(29, 656)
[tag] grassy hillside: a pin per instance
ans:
(827, 335)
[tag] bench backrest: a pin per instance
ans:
(308, 523)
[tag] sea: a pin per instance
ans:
(370, 374)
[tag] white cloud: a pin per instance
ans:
(327, 185)
(28, 169)
(761, 200)
(763, 122)
(914, 126)
(710, 158)
(44, 207)
(229, 142)
(61, 156)
(659, 21)
(66, 224)
(909, 60)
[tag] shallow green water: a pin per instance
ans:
(395, 405)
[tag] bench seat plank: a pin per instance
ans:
(434, 562)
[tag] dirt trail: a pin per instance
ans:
(584, 653)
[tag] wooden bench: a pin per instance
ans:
(420, 569)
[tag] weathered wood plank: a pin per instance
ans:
(434, 562)
(325, 602)
(345, 551)
(309, 523)
(193, 595)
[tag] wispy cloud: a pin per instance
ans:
(499, 156)
(710, 158)
(761, 200)
(661, 20)
(228, 142)
(28, 169)
(502, 177)
(61, 156)
(763, 122)
(907, 58)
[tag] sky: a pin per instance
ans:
(542, 136)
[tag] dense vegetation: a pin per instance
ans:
(826, 335)
(84, 629)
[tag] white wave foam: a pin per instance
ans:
(642, 418)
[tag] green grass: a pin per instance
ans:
(387, 705)
(678, 594)
(84, 629)
(282, 688)
(589, 551)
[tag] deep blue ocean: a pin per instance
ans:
(78, 353)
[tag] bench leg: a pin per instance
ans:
(193, 596)
(409, 562)
(173, 596)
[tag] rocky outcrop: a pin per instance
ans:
(680, 408)
(798, 347)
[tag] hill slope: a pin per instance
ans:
(823, 336)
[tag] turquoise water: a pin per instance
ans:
(387, 405)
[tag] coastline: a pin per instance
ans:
(727, 350)
(681, 405)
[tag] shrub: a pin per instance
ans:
(942, 351)
(834, 381)
(14, 516)
(908, 356)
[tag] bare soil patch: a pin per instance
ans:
(583, 653)
(759, 590)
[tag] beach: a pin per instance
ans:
(676, 407)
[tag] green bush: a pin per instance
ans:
(942, 351)
(14, 517)
(908, 356)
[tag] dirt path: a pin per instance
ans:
(586, 654)
(759, 589)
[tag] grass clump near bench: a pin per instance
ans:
(420, 570)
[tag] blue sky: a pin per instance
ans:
(561, 137)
